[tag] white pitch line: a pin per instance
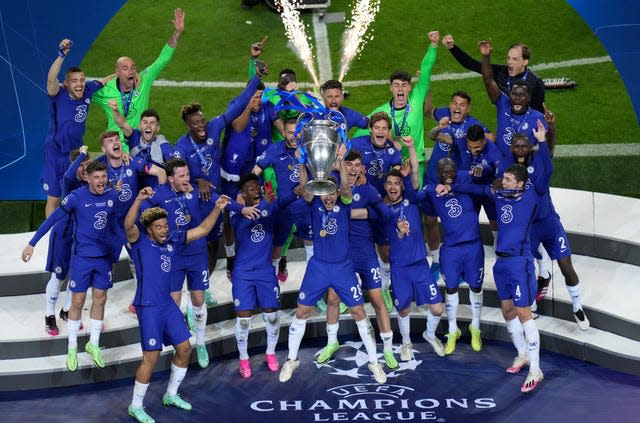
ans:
(594, 150)
(448, 76)
(322, 47)
(590, 150)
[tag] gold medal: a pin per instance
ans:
(206, 172)
(323, 233)
(290, 167)
(187, 217)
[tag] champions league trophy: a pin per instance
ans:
(321, 137)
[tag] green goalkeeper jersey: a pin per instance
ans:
(137, 99)
(409, 121)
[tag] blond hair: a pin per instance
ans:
(151, 215)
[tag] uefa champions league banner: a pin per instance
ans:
(29, 35)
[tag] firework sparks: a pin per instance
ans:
(296, 33)
(354, 40)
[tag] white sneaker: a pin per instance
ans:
(435, 343)
(406, 353)
(518, 363)
(581, 320)
(532, 381)
(378, 374)
(287, 369)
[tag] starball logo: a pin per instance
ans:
(367, 401)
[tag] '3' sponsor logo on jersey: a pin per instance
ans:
(507, 214)
(101, 220)
(257, 233)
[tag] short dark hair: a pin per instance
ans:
(475, 133)
(401, 75)
(518, 171)
(462, 94)
(352, 155)
(246, 178)
(189, 109)
(71, 70)
(150, 113)
(171, 164)
(521, 136)
(520, 83)
(446, 162)
(526, 52)
(285, 77)
(379, 116)
(151, 215)
(394, 172)
(331, 84)
(96, 166)
(260, 86)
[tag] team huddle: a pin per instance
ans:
(239, 178)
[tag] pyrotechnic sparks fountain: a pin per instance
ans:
(296, 33)
(354, 40)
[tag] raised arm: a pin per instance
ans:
(422, 86)
(413, 161)
(436, 133)
(487, 72)
(345, 187)
(158, 172)
(106, 79)
(130, 227)
(178, 25)
(236, 107)
(207, 224)
(241, 122)
(256, 50)
(542, 136)
(119, 119)
(304, 178)
(57, 214)
(550, 117)
(461, 57)
(428, 106)
(53, 85)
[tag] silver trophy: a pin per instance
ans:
(320, 140)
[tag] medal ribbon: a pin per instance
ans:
(203, 160)
(325, 218)
(113, 176)
(396, 128)
(181, 201)
(126, 99)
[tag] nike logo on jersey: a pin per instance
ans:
(88, 205)
(283, 158)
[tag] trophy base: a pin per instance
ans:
(320, 187)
